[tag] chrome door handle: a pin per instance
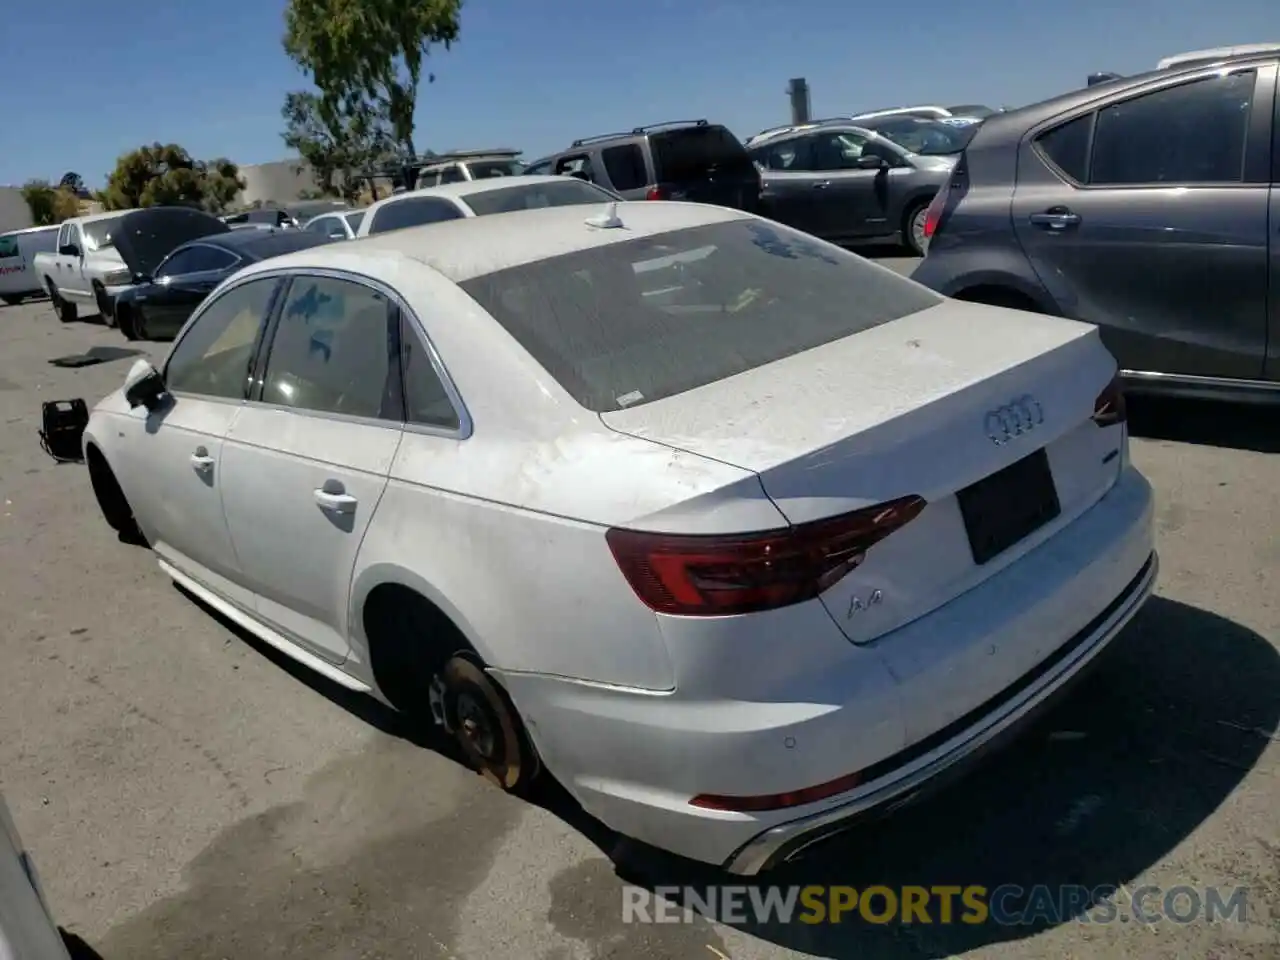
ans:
(331, 502)
(1056, 220)
(201, 461)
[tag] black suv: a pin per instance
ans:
(681, 160)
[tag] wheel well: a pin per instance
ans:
(106, 488)
(395, 615)
(97, 285)
(998, 296)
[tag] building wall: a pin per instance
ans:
(14, 214)
(279, 182)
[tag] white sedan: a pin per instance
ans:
(737, 534)
(477, 198)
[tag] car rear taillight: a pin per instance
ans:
(656, 193)
(1110, 409)
(937, 206)
(708, 576)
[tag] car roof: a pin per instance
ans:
(24, 230)
(1019, 119)
(462, 188)
(260, 244)
(474, 246)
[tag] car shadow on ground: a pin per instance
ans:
(1211, 423)
(1175, 714)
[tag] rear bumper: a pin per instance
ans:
(988, 727)
(808, 707)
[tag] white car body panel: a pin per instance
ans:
(18, 276)
(27, 928)
(501, 525)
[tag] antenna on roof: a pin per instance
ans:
(609, 220)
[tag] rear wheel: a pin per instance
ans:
(913, 228)
(11, 300)
(66, 311)
(106, 309)
(427, 670)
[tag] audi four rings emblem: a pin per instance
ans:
(1020, 415)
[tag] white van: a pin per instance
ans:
(18, 250)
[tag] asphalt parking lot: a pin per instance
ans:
(187, 794)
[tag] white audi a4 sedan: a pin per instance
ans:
(737, 534)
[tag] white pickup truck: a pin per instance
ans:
(84, 270)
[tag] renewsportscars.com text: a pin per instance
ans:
(1006, 905)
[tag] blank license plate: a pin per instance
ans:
(1002, 509)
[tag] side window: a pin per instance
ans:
(835, 151)
(212, 357)
(413, 212)
(425, 398)
(578, 165)
(63, 233)
(332, 351)
(8, 247)
(540, 169)
(625, 166)
(451, 175)
(1067, 147)
(1191, 133)
(321, 225)
(881, 149)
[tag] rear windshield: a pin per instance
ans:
(925, 137)
(692, 153)
(568, 192)
(481, 169)
(636, 321)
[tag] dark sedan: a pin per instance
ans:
(843, 182)
(158, 306)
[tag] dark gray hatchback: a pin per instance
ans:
(1148, 205)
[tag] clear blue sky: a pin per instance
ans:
(87, 80)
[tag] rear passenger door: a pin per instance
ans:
(1149, 217)
(307, 461)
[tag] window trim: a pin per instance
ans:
(1263, 93)
(396, 305)
(273, 306)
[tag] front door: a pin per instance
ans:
(1149, 218)
(850, 195)
(307, 461)
(175, 471)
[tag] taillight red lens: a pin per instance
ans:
(656, 193)
(1110, 409)
(707, 576)
(934, 213)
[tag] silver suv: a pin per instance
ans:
(1148, 205)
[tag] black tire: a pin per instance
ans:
(106, 309)
(11, 300)
(912, 238)
(111, 499)
(125, 322)
(66, 311)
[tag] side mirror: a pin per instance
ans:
(68, 250)
(870, 162)
(143, 387)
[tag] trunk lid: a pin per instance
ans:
(145, 237)
(705, 164)
(913, 407)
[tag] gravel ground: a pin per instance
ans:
(188, 794)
